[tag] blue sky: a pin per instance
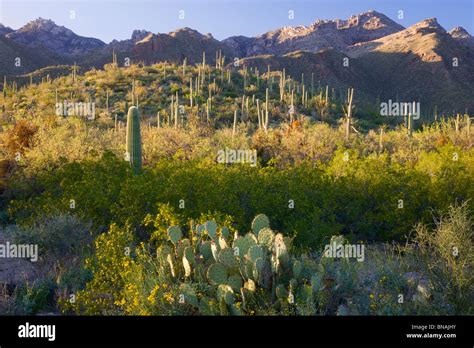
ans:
(116, 19)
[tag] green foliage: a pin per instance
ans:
(56, 236)
(260, 283)
(359, 198)
(449, 248)
(310, 183)
(111, 263)
(165, 217)
(33, 298)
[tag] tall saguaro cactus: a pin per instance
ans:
(134, 142)
(348, 111)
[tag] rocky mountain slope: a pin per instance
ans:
(5, 30)
(460, 34)
(179, 44)
(321, 34)
(17, 59)
(422, 62)
(385, 59)
(45, 34)
(415, 64)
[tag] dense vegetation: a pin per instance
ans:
(99, 223)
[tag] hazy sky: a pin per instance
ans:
(116, 19)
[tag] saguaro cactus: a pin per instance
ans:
(265, 125)
(134, 142)
(348, 111)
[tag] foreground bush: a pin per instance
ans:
(365, 198)
(209, 271)
(450, 246)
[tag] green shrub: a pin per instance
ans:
(448, 250)
(110, 264)
(200, 273)
(359, 197)
(57, 236)
(35, 297)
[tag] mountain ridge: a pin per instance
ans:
(388, 59)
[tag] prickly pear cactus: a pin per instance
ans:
(215, 250)
(217, 274)
(315, 283)
(205, 250)
(187, 267)
(235, 282)
(227, 258)
(225, 232)
(222, 242)
(170, 261)
(297, 269)
(281, 292)
(225, 292)
(243, 244)
(189, 255)
(189, 295)
(256, 252)
(174, 234)
(188, 261)
(259, 222)
(266, 237)
(200, 230)
(259, 264)
(242, 270)
(281, 249)
(211, 228)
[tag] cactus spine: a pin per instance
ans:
(133, 142)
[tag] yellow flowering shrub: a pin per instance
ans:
(111, 264)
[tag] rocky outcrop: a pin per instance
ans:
(461, 35)
(177, 45)
(5, 30)
(44, 33)
(319, 35)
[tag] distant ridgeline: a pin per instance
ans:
(369, 52)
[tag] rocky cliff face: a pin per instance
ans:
(127, 45)
(461, 35)
(45, 34)
(386, 60)
(319, 35)
(418, 63)
(5, 30)
(179, 44)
